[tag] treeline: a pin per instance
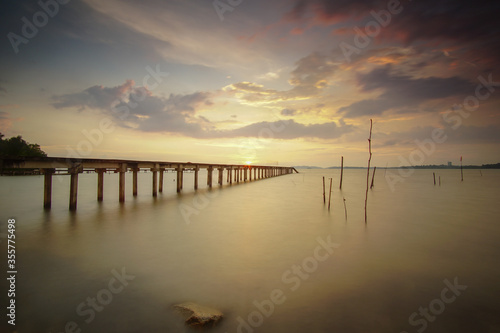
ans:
(442, 166)
(16, 146)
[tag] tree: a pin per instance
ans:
(16, 146)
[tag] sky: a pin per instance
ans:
(284, 82)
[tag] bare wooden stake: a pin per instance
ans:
(434, 175)
(373, 176)
(345, 209)
(341, 171)
(481, 173)
(330, 194)
(324, 199)
(439, 180)
(368, 169)
(461, 169)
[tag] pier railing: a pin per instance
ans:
(49, 166)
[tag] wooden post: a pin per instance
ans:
(439, 180)
(134, 181)
(47, 187)
(180, 177)
(345, 209)
(373, 176)
(341, 170)
(330, 194)
(100, 184)
(155, 181)
(461, 169)
(160, 185)
(73, 189)
(324, 199)
(196, 169)
(434, 176)
(250, 173)
(221, 173)
(121, 189)
(368, 170)
(209, 176)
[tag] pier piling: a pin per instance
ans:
(100, 184)
(47, 188)
(50, 166)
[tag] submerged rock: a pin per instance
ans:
(199, 315)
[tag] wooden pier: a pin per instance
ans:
(49, 166)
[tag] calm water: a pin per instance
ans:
(239, 247)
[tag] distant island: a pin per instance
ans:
(430, 166)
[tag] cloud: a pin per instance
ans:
(269, 76)
(471, 27)
(138, 109)
(474, 134)
(311, 74)
(328, 11)
(289, 129)
(402, 92)
(96, 97)
(288, 112)
(465, 134)
(308, 79)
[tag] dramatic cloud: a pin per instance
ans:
(308, 79)
(96, 97)
(137, 108)
(329, 11)
(289, 129)
(467, 28)
(311, 75)
(402, 92)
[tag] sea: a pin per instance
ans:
(273, 255)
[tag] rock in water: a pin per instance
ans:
(199, 315)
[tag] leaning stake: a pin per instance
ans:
(368, 170)
(373, 176)
(330, 194)
(461, 170)
(345, 209)
(324, 200)
(341, 170)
